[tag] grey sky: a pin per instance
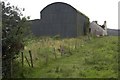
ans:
(99, 10)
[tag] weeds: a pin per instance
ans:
(81, 57)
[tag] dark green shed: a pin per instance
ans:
(60, 19)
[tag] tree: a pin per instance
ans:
(13, 32)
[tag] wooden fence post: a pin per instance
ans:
(22, 59)
(62, 51)
(22, 62)
(54, 53)
(11, 67)
(46, 59)
(31, 58)
(27, 61)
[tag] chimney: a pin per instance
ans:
(96, 22)
(105, 24)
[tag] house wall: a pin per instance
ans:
(96, 29)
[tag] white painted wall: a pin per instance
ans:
(97, 30)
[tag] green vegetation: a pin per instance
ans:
(82, 57)
(14, 29)
(53, 57)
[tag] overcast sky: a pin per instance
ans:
(99, 10)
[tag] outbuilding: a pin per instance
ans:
(60, 19)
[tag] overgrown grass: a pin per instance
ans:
(83, 58)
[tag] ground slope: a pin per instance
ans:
(84, 58)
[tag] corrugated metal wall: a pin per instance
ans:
(59, 19)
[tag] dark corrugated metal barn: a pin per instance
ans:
(60, 19)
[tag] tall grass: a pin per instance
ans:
(83, 57)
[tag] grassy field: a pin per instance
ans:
(83, 57)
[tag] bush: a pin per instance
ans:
(13, 31)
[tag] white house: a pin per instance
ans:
(98, 30)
